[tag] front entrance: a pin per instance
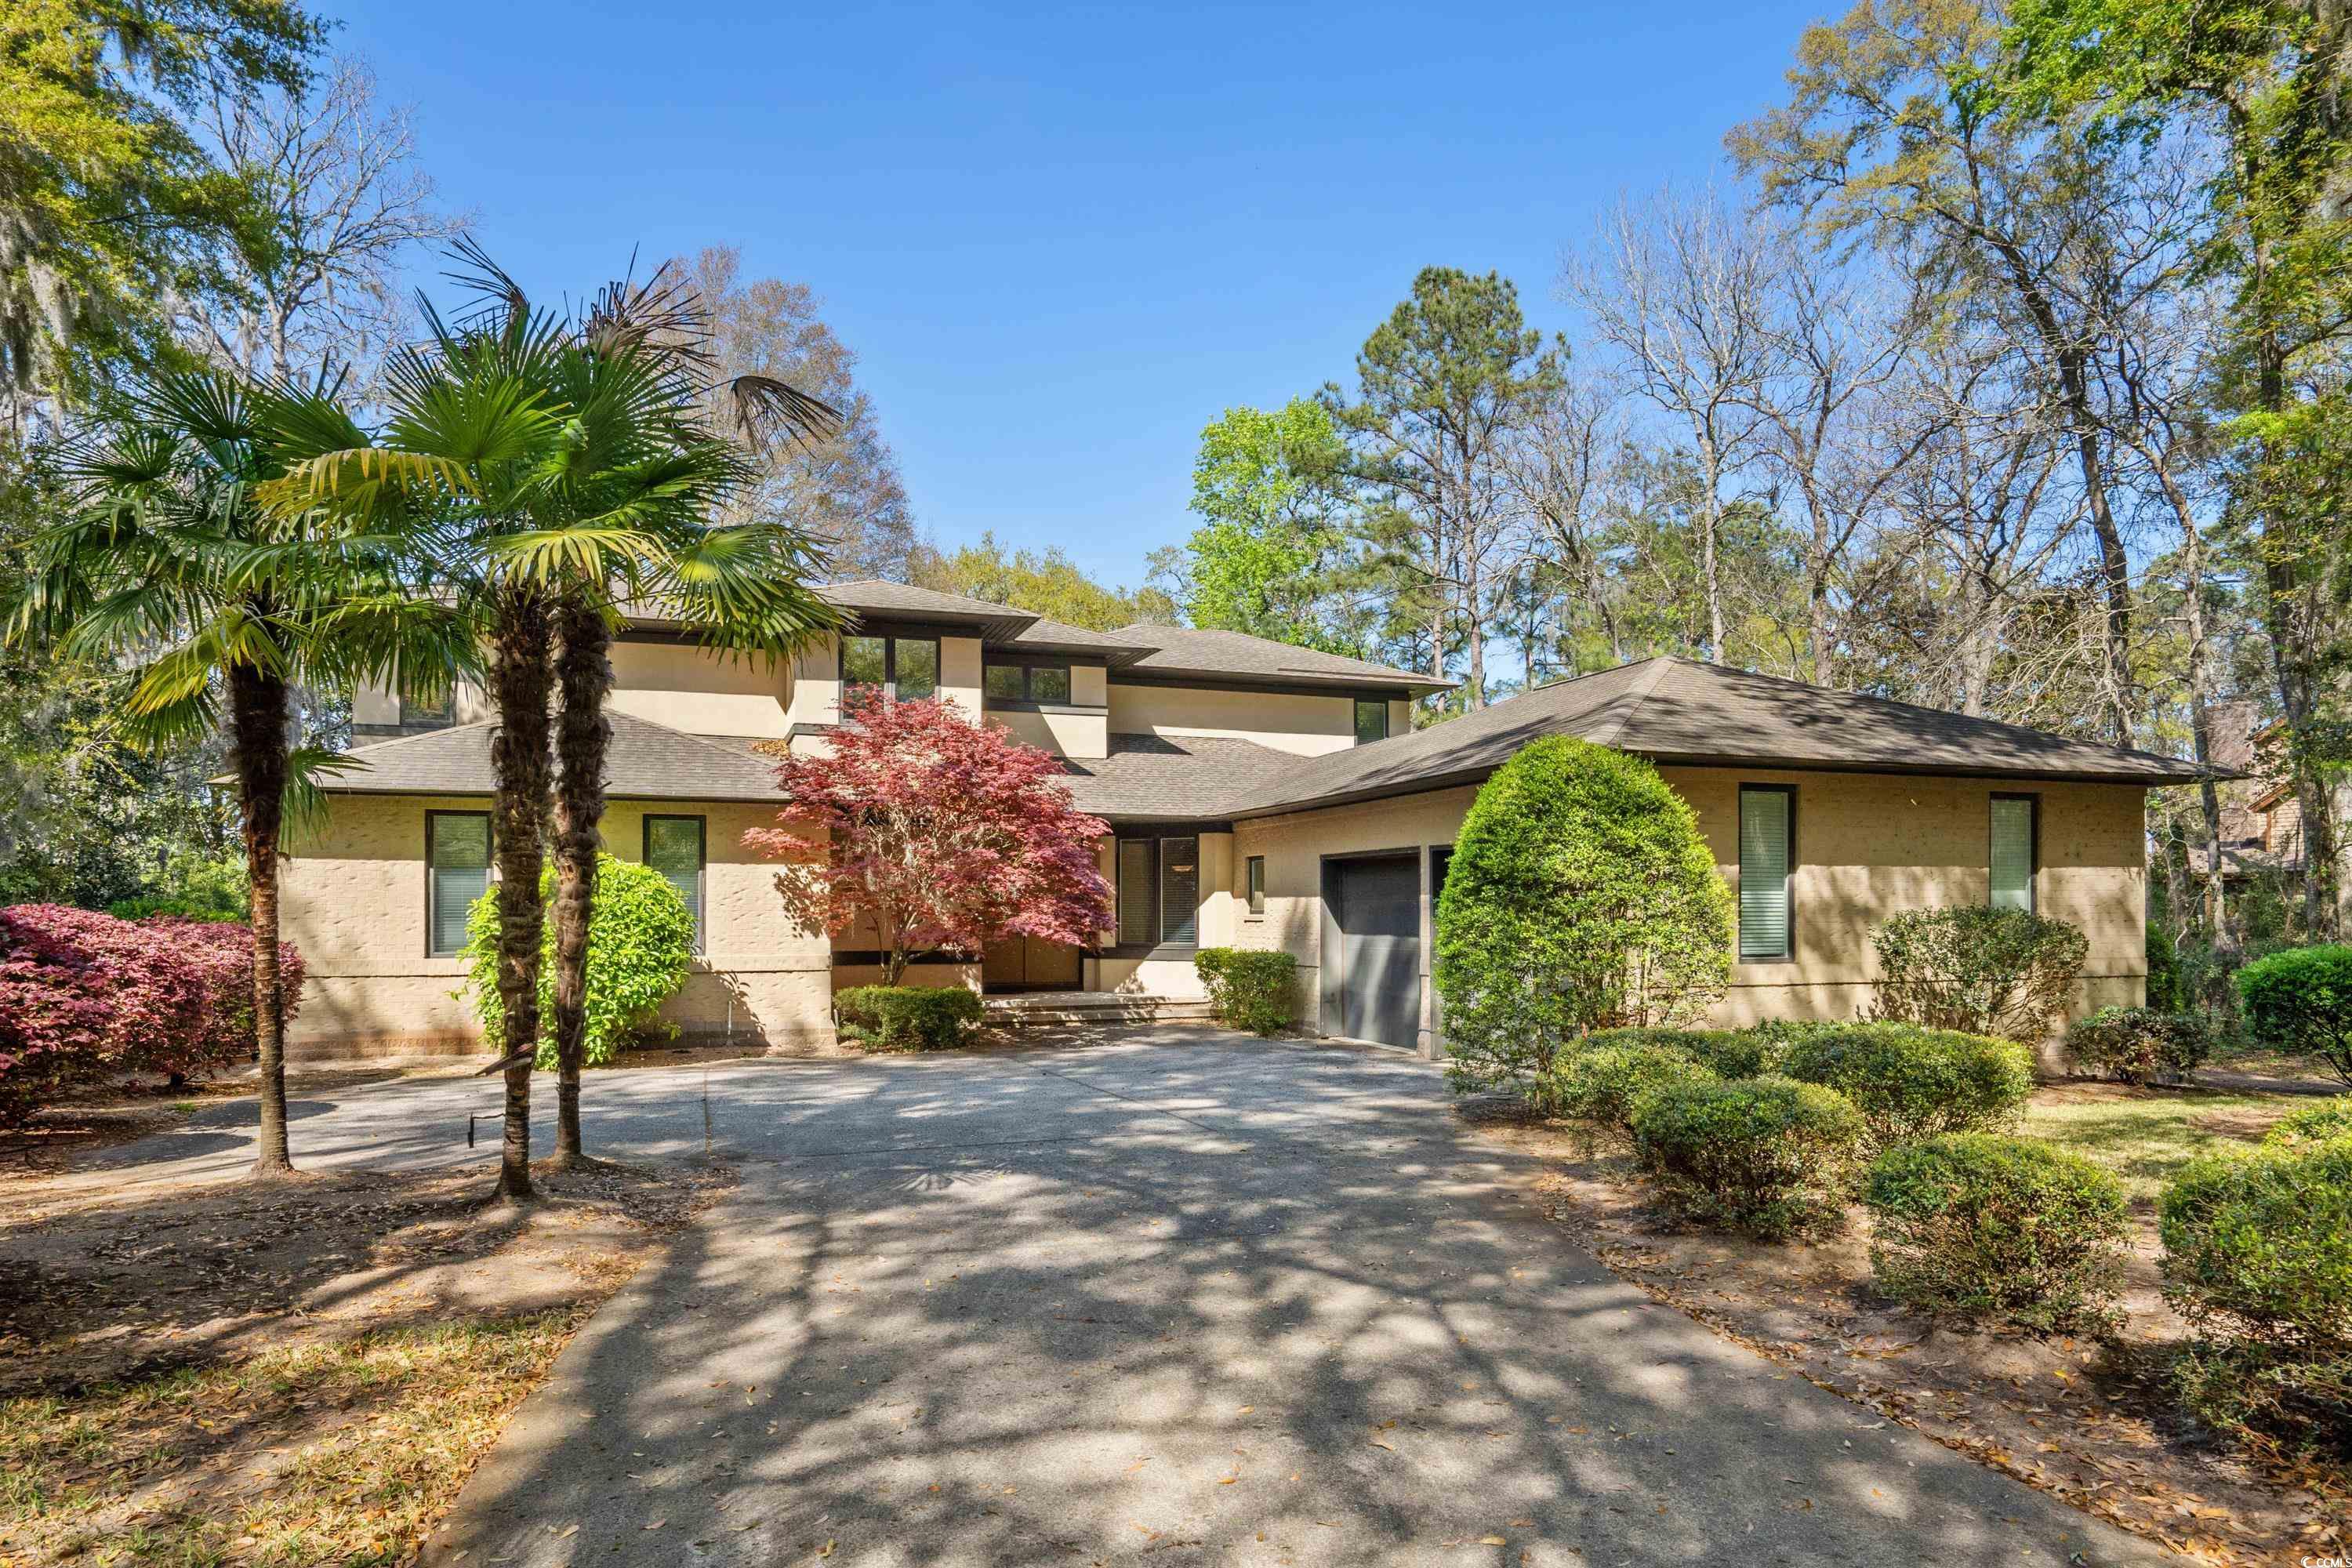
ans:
(1028, 963)
(1376, 904)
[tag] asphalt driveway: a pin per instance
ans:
(1189, 1298)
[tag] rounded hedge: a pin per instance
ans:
(908, 1017)
(1604, 1082)
(2321, 1123)
(2301, 1000)
(2008, 1229)
(640, 949)
(2139, 1044)
(1247, 988)
(1581, 895)
(1910, 1082)
(1768, 1156)
(1728, 1053)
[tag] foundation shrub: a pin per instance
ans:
(640, 951)
(2005, 1230)
(1769, 1157)
(2301, 1001)
(1977, 970)
(1603, 1081)
(2139, 1044)
(1911, 1082)
(908, 1017)
(1248, 989)
(1728, 1053)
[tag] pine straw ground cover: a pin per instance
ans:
(304, 1373)
(2093, 1423)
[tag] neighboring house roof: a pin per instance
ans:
(1679, 710)
(1170, 778)
(645, 761)
(1190, 651)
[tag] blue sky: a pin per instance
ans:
(1062, 240)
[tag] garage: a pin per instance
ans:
(1375, 916)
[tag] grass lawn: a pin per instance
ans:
(2145, 1135)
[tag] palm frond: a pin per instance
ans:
(765, 407)
(303, 802)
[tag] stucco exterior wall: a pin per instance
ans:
(1867, 845)
(354, 902)
(699, 690)
(1083, 735)
(1287, 721)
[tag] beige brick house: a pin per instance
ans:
(1260, 795)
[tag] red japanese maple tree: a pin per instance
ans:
(929, 831)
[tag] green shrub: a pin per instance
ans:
(1248, 989)
(2258, 1256)
(2301, 1001)
(1728, 1053)
(1768, 1156)
(2139, 1044)
(908, 1017)
(1977, 970)
(1911, 1082)
(1581, 896)
(194, 887)
(2009, 1229)
(1604, 1082)
(2321, 1123)
(640, 950)
(2167, 987)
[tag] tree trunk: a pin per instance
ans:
(519, 685)
(257, 731)
(1709, 520)
(584, 677)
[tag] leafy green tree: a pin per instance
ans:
(1582, 896)
(1270, 488)
(1043, 582)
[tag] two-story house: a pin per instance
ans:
(1260, 795)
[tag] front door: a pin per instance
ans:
(1028, 963)
(1379, 916)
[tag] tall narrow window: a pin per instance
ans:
(1254, 883)
(865, 665)
(1180, 891)
(1371, 720)
(2011, 858)
(915, 671)
(1135, 893)
(673, 846)
(457, 872)
(1767, 841)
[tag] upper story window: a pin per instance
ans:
(1371, 720)
(1027, 682)
(899, 668)
(1767, 839)
(2010, 856)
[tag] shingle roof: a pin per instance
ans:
(1168, 777)
(1043, 636)
(1678, 710)
(645, 762)
(882, 597)
(1190, 650)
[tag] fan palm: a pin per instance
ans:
(165, 560)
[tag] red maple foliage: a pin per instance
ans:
(923, 830)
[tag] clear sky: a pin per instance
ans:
(1061, 241)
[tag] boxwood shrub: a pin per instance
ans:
(640, 951)
(1911, 1082)
(2258, 1257)
(1977, 970)
(2139, 1044)
(1248, 989)
(2301, 1000)
(907, 1017)
(1769, 1156)
(2009, 1230)
(1602, 1082)
(1728, 1053)
(2321, 1123)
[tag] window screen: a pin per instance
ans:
(1764, 857)
(1049, 683)
(673, 846)
(1371, 720)
(1004, 682)
(1135, 893)
(457, 850)
(1256, 884)
(2011, 859)
(1180, 891)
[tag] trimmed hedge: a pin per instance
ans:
(1977, 970)
(2258, 1255)
(1768, 1156)
(640, 951)
(908, 1017)
(2008, 1229)
(1604, 1082)
(2321, 1123)
(1248, 989)
(2139, 1044)
(1727, 1053)
(2301, 1000)
(1910, 1082)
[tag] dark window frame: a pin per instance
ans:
(701, 870)
(889, 641)
(1156, 944)
(2033, 800)
(1788, 953)
(433, 886)
(1381, 704)
(1028, 692)
(1253, 885)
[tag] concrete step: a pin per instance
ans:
(1031, 1008)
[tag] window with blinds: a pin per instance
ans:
(1180, 892)
(1767, 840)
(673, 846)
(2011, 858)
(458, 873)
(1255, 883)
(1135, 893)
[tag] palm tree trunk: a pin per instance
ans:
(520, 685)
(257, 731)
(584, 677)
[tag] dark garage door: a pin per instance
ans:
(1378, 906)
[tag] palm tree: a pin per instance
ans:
(166, 560)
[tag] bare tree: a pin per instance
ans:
(1559, 470)
(342, 196)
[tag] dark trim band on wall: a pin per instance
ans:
(873, 957)
(1276, 688)
(1022, 705)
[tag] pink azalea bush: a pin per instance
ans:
(84, 997)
